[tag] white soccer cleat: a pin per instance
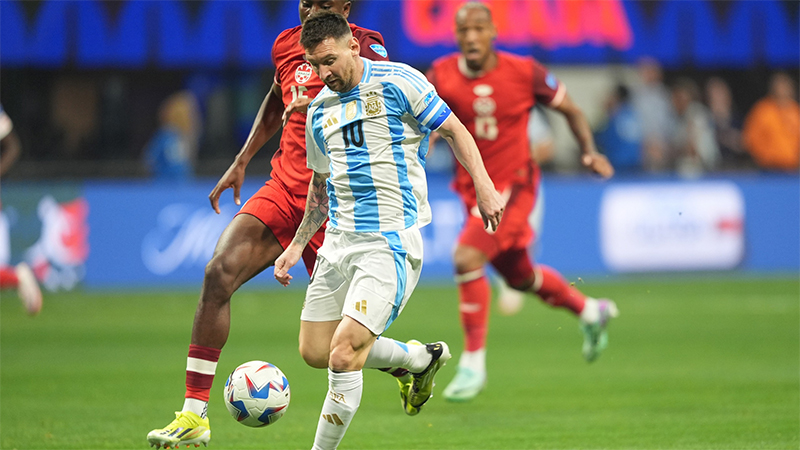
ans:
(466, 385)
(509, 301)
(28, 289)
(595, 335)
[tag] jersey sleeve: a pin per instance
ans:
(279, 50)
(371, 45)
(425, 104)
(547, 89)
(316, 152)
(275, 61)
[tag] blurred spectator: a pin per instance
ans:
(727, 124)
(171, 153)
(693, 144)
(621, 138)
(19, 277)
(772, 128)
(652, 104)
(540, 136)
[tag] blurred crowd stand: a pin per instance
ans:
(172, 152)
(647, 120)
(654, 128)
(772, 127)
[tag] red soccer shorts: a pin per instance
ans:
(514, 231)
(282, 212)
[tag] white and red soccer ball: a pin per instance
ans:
(257, 394)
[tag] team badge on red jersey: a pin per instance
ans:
(303, 73)
(484, 106)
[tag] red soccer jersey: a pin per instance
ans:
(296, 78)
(495, 107)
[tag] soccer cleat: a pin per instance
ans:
(28, 289)
(466, 385)
(595, 335)
(509, 301)
(405, 383)
(422, 383)
(187, 429)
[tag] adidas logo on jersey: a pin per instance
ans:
(330, 122)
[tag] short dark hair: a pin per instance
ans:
(321, 26)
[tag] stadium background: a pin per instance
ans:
(83, 82)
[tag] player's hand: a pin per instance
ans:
(286, 261)
(300, 104)
(599, 164)
(491, 205)
(233, 178)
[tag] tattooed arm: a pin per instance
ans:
(314, 217)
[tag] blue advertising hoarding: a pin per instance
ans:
(142, 234)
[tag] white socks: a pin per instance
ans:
(591, 311)
(475, 361)
(341, 404)
(196, 406)
(386, 352)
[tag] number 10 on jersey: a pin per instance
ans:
(353, 133)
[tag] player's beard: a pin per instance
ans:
(334, 84)
(341, 83)
(476, 59)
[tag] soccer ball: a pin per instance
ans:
(257, 394)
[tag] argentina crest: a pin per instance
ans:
(373, 105)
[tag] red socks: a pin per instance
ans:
(474, 296)
(8, 278)
(553, 289)
(200, 367)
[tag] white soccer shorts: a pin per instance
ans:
(367, 276)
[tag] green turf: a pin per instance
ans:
(691, 364)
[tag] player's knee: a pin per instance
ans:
(468, 259)
(218, 276)
(521, 284)
(313, 356)
(342, 358)
(517, 269)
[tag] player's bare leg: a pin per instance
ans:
(315, 347)
(315, 342)
(246, 248)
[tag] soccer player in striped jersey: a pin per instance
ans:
(266, 223)
(493, 92)
(366, 141)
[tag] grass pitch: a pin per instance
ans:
(692, 364)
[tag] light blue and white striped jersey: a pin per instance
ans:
(373, 140)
